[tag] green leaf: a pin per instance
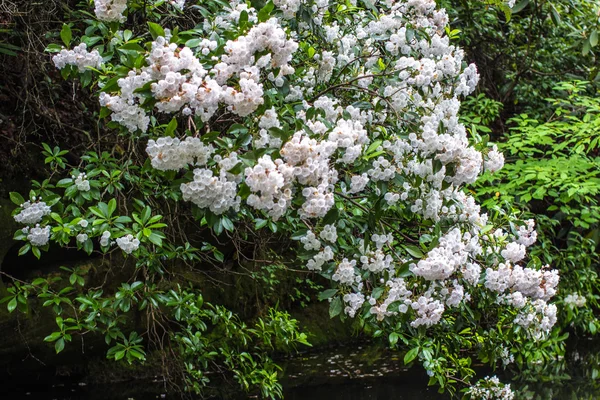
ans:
(132, 46)
(156, 30)
(156, 239)
(65, 182)
(377, 292)
(243, 21)
(260, 223)
(555, 15)
(66, 35)
(59, 345)
(227, 224)
(586, 48)
(24, 249)
(193, 43)
(594, 38)
(331, 217)
(237, 129)
(265, 12)
(373, 146)
(299, 234)
(53, 48)
(36, 252)
(112, 206)
(16, 198)
(52, 337)
(413, 251)
(411, 355)
(519, 6)
(171, 127)
(12, 305)
(335, 307)
(393, 306)
(218, 255)
(393, 338)
(327, 294)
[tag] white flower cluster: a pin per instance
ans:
(125, 112)
(32, 213)
(428, 311)
(181, 82)
(168, 153)
(538, 317)
(270, 188)
(574, 300)
(445, 259)
(110, 10)
(354, 302)
(82, 237)
(514, 252)
(529, 282)
(506, 356)
(289, 7)
(329, 233)
(358, 183)
(345, 273)
(105, 239)
(376, 261)
(268, 120)
(178, 3)
(82, 184)
(527, 234)
(316, 263)
(398, 292)
(128, 243)
(218, 193)
(79, 57)
(310, 241)
(39, 236)
(382, 240)
(495, 160)
(490, 389)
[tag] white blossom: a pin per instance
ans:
(128, 243)
(79, 57)
(39, 236)
(32, 213)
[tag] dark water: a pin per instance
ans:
(356, 373)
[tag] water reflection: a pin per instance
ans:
(377, 389)
(355, 373)
(351, 373)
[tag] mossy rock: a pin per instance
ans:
(324, 331)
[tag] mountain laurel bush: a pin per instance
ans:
(332, 123)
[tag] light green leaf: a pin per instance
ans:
(16, 198)
(335, 307)
(66, 35)
(411, 355)
(327, 294)
(12, 305)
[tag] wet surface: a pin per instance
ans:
(355, 373)
(348, 373)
